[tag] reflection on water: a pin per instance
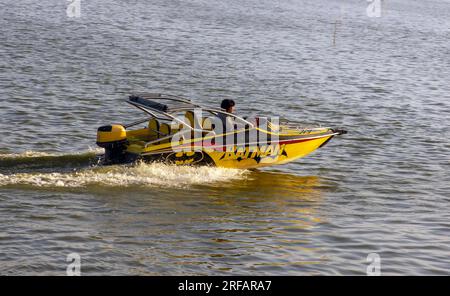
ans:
(261, 222)
(277, 185)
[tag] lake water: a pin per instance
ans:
(383, 188)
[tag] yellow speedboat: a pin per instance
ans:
(179, 131)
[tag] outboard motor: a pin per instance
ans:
(114, 139)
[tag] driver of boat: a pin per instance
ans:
(228, 106)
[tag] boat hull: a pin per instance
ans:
(240, 157)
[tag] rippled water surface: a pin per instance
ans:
(383, 188)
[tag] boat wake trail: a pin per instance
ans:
(43, 161)
(79, 170)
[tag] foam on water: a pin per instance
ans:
(30, 153)
(155, 174)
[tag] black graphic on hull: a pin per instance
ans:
(181, 158)
(255, 153)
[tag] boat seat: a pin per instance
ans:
(165, 130)
(153, 127)
(189, 119)
(175, 127)
(189, 115)
(208, 124)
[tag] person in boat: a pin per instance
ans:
(228, 106)
(228, 122)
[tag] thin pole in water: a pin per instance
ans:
(336, 22)
(334, 33)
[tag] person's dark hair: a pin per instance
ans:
(227, 103)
